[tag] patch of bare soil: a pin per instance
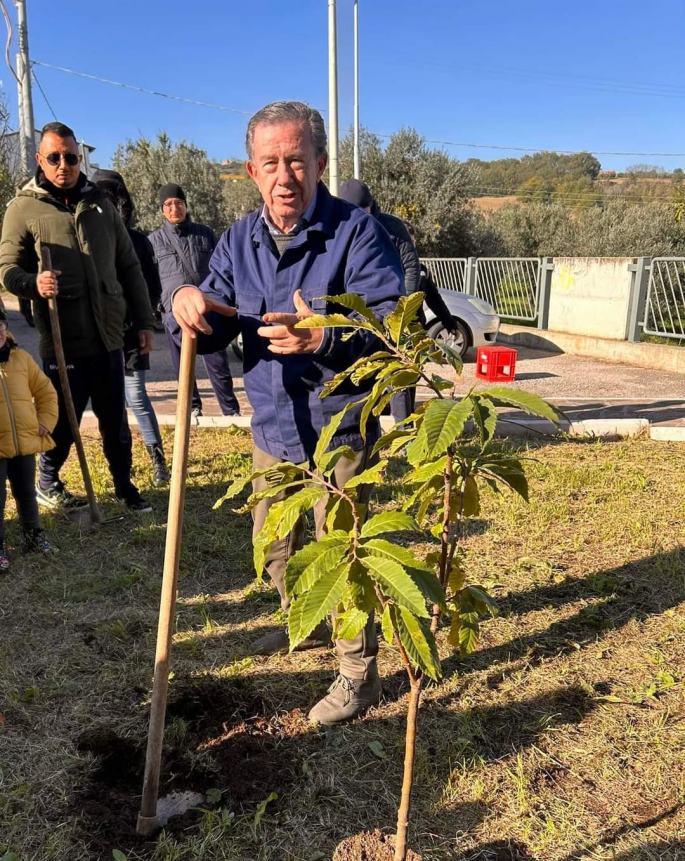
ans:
(228, 744)
(369, 846)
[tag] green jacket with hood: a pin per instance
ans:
(100, 276)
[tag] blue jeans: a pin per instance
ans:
(138, 400)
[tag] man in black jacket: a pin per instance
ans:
(183, 248)
(137, 364)
(97, 282)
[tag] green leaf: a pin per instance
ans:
(387, 550)
(395, 582)
(416, 450)
(405, 311)
(418, 641)
(448, 355)
(484, 416)
(480, 600)
(213, 796)
(532, 404)
(429, 584)
(464, 631)
(280, 520)
(428, 470)
(117, 855)
(306, 569)
(349, 623)
(471, 498)
(232, 490)
(386, 439)
(306, 611)
(328, 432)
(443, 422)
(354, 302)
(372, 475)
(261, 808)
(386, 626)
(334, 321)
(329, 460)
(363, 370)
(389, 521)
(339, 514)
(377, 749)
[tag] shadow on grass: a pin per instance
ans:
(633, 591)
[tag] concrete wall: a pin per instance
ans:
(589, 296)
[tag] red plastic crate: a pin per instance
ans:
(496, 364)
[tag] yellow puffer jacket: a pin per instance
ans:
(27, 399)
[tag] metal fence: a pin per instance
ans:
(510, 285)
(448, 272)
(665, 305)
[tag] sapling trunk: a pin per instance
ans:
(416, 682)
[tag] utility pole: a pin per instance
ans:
(27, 142)
(332, 100)
(357, 163)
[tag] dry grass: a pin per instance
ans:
(561, 739)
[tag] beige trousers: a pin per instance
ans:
(356, 656)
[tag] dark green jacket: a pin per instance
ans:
(100, 274)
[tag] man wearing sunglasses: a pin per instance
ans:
(96, 279)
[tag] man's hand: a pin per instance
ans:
(46, 283)
(146, 341)
(189, 307)
(285, 339)
(42, 430)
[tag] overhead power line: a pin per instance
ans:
(137, 89)
(226, 108)
(42, 92)
(546, 149)
(8, 41)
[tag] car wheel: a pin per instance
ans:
(459, 338)
(237, 346)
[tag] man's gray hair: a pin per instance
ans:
(288, 112)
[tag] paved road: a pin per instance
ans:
(582, 388)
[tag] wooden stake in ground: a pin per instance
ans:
(147, 818)
(95, 516)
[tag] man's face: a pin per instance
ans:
(285, 167)
(175, 210)
(54, 155)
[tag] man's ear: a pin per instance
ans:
(322, 162)
(251, 171)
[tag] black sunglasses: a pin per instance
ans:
(54, 158)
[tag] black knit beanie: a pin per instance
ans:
(171, 190)
(356, 192)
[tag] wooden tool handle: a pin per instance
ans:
(147, 818)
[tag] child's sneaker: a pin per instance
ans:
(57, 496)
(4, 558)
(37, 540)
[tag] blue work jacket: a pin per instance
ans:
(341, 250)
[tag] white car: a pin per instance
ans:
(474, 323)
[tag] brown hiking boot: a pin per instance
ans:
(347, 699)
(277, 643)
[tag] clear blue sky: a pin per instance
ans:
(606, 75)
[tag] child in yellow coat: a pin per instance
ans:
(28, 414)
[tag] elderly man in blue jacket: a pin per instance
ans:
(271, 268)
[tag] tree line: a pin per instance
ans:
(559, 204)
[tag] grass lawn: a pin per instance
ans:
(562, 738)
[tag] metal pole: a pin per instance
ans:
(332, 100)
(27, 124)
(357, 165)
